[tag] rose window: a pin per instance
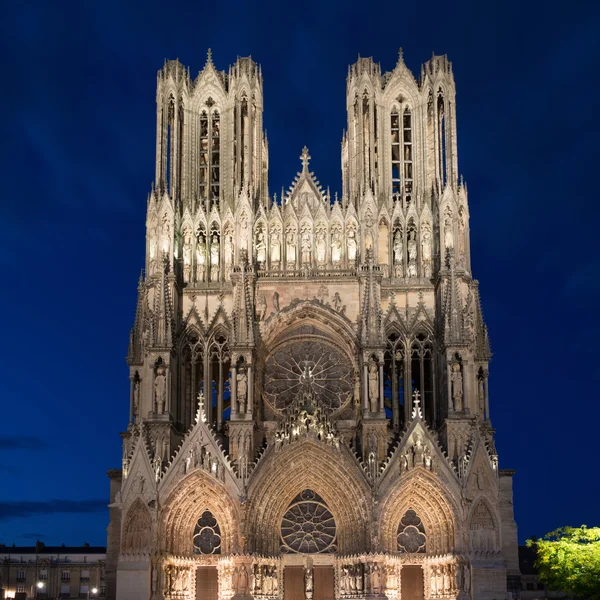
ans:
(316, 362)
(207, 535)
(411, 533)
(308, 526)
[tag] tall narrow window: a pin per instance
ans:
(396, 162)
(407, 155)
(366, 138)
(421, 371)
(203, 172)
(442, 137)
(209, 155)
(244, 141)
(169, 143)
(215, 147)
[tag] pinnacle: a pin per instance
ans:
(305, 158)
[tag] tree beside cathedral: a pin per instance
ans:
(309, 400)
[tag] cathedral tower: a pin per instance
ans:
(309, 405)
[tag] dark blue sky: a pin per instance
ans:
(77, 152)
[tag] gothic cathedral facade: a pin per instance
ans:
(309, 409)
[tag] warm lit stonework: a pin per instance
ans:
(309, 374)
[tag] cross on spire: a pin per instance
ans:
(417, 404)
(305, 158)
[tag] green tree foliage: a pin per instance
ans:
(568, 560)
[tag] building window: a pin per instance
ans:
(20, 575)
(20, 589)
(210, 146)
(43, 575)
(207, 535)
(66, 576)
(402, 155)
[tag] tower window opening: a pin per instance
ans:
(209, 156)
(407, 155)
(396, 161)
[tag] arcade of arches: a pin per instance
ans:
(309, 403)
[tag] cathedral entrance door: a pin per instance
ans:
(207, 583)
(411, 579)
(324, 587)
(293, 583)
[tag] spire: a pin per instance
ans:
(453, 310)
(135, 336)
(163, 310)
(305, 158)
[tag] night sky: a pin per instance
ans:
(77, 155)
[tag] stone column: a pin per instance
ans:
(365, 387)
(486, 394)
(381, 400)
(395, 397)
(220, 397)
(233, 390)
(131, 398)
(250, 402)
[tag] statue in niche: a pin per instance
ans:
(160, 389)
(481, 393)
(466, 578)
(166, 237)
(351, 246)
(461, 235)
(336, 248)
(412, 254)
(373, 386)
(276, 302)
(261, 308)
(228, 250)
(187, 255)
(200, 258)
(214, 258)
(426, 252)
(242, 389)
(308, 582)
(157, 467)
(398, 253)
(275, 248)
(457, 386)
(291, 247)
(136, 396)
(446, 579)
(244, 232)
(261, 250)
(448, 233)
(321, 247)
(306, 247)
(433, 581)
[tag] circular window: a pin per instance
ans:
(318, 362)
(308, 526)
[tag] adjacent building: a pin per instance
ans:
(308, 393)
(52, 572)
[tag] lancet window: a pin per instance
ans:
(441, 137)
(411, 533)
(209, 155)
(216, 393)
(402, 155)
(308, 527)
(421, 371)
(207, 535)
(394, 373)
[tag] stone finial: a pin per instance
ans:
(305, 158)
(416, 412)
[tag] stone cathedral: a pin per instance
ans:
(309, 406)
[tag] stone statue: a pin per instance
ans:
(461, 235)
(336, 248)
(242, 389)
(373, 386)
(433, 581)
(466, 578)
(351, 246)
(457, 386)
(448, 233)
(321, 247)
(275, 248)
(157, 467)
(306, 248)
(336, 302)
(426, 253)
(398, 258)
(261, 250)
(261, 308)
(228, 249)
(214, 258)
(308, 582)
(136, 396)
(412, 255)
(290, 250)
(187, 252)
(166, 237)
(200, 258)
(160, 389)
(276, 302)
(446, 575)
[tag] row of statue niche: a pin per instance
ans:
(265, 580)
(411, 251)
(336, 303)
(199, 457)
(177, 579)
(447, 579)
(449, 232)
(207, 259)
(351, 579)
(305, 248)
(156, 241)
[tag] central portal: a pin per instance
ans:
(324, 586)
(412, 583)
